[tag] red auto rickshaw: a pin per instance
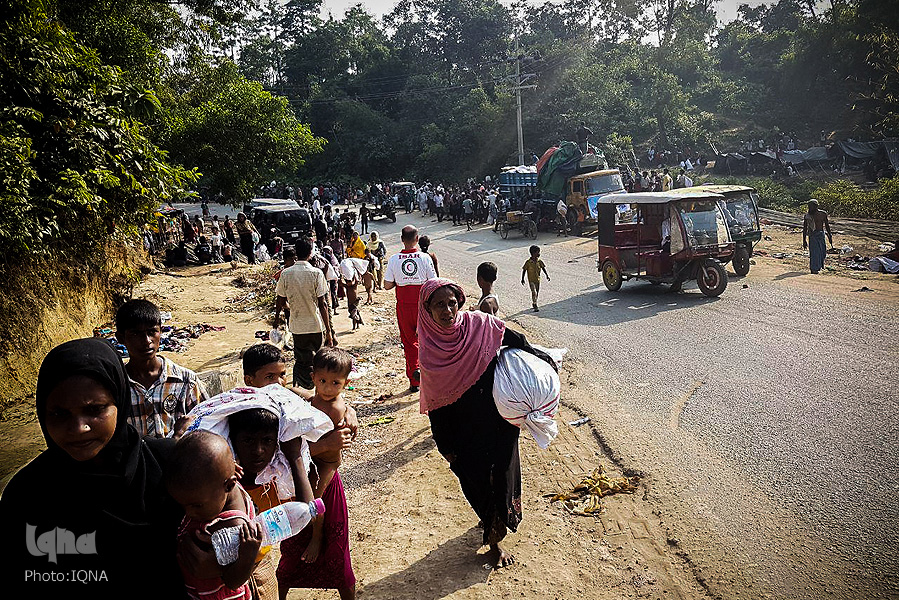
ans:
(664, 237)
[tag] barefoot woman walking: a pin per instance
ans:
(457, 353)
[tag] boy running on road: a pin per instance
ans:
(532, 268)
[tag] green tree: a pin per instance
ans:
(73, 155)
(239, 135)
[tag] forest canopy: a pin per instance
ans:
(112, 106)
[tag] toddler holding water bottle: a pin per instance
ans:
(203, 477)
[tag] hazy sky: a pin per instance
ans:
(727, 9)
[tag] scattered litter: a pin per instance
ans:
(767, 238)
(379, 319)
(359, 370)
(488, 567)
(579, 422)
(745, 286)
(108, 334)
(361, 401)
(584, 498)
(371, 442)
(262, 335)
(882, 264)
(885, 248)
(165, 316)
(172, 339)
(383, 397)
(863, 289)
(379, 310)
(276, 337)
(846, 249)
(390, 374)
(781, 255)
(557, 354)
(573, 260)
(381, 421)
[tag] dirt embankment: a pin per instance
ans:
(45, 303)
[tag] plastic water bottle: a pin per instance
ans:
(278, 523)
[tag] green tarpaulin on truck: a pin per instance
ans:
(560, 165)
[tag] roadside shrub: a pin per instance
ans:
(846, 199)
(840, 198)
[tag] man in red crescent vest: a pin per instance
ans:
(407, 271)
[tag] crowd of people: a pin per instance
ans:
(159, 465)
(655, 181)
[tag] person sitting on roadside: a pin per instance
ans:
(204, 251)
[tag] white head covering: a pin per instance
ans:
(296, 418)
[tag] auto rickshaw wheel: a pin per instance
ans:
(532, 230)
(611, 276)
(712, 278)
(504, 231)
(741, 261)
(393, 217)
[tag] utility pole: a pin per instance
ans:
(518, 101)
(518, 87)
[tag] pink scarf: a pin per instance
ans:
(453, 358)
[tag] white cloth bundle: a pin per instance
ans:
(352, 269)
(297, 418)
(526, 392)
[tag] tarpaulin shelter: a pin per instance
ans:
(763, 158)
(731, 164)
(555, 166)
(886, 151)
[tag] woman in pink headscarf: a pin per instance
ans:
(457, 353)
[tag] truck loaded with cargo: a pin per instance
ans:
(565, 172)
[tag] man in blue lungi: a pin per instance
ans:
(814, 225)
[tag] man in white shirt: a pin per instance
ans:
(306, 290)
(316, 207)
(407, 271)
(562, 210)
(438, 204)
(687, 181)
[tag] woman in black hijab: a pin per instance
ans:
(90, 515)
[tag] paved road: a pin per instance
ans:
(765, 420)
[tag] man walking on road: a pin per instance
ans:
(814, 225)
(306, 290)
(407, 271)
(562, 211)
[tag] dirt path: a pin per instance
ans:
(412, 533)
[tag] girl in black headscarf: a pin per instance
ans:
(98, 481)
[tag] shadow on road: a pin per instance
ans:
(515, 240)
(452, 566)
(600, 307)
(385, 464)
(783, 276)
